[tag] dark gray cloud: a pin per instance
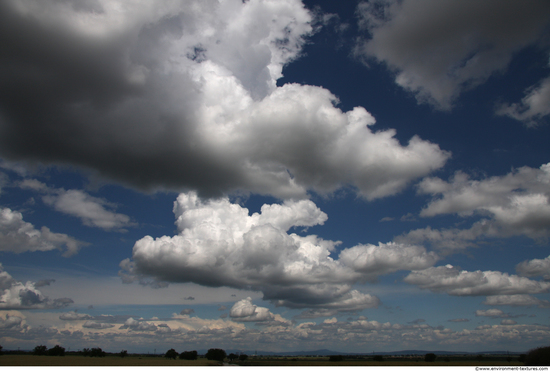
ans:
(438, 49)
(115, 89)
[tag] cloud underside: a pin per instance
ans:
(440, 49)
(183, 96)
(220, 244)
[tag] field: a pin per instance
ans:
(110, 360)
(136, 360)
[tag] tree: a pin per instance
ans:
(57, 351)
(336, 358)
(243, 357)
(86, 352)
(123, 353)
(538, 357)
(232, 357)
(97, 352)
(1, 350)
(189, 355)
(430, 357)
(171, 354)
(40, 350)
(216, 354)
(378, 358)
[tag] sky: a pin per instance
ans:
(359, 176)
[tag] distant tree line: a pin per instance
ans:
(54, 351)
(187, 355)
(535, 357)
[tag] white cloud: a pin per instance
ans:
(533, 107)
(508, 322)
(514, 193)
(138, 325)
(220, 244)
(515, 300)
(73, 315)
(440, 49)
(16, 295)
(95, 325)
(18, 236)
(454, 282)
(245, 311)
(183, 95)
(535, 267)
(386, 258)
(515, 204)
(492, 313)
(92, 211)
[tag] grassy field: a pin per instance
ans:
(135, 360)
(78, 360)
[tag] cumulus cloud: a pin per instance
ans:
(73, 315)
(508, 322)
(16, 295)
(220, 244)
(386, 258)
(316, 313)
(535, 267)
(452, 281)
(183, 95)
(533, 107)
(18, 236)
(440, 49)
(138, 325)
(515, 204)
(11, 322)
(92, 211)
(512, 194)
(95, 325)
(515, 300)
(245, 311)
(492, 313)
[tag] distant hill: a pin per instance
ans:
(326, 352)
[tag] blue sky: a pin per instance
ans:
(275, 175)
